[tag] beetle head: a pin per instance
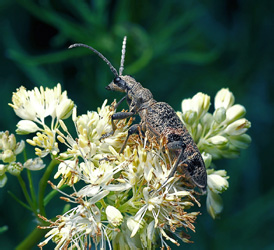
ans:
(118, 84)
(122, 83)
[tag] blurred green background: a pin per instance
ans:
(174, 48)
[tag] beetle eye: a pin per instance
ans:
(117, 79)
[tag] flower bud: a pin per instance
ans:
(187, 105)
(8, 156)
(219, 115)
(14, 169)
(198, 132)
(221, 172)
(214, 204)
(3, 180)
(201, 103)
(240, 141)
(64, 109)
(207, 120)
(218, 140)
(114, 216)
(132, 224)
(190, 117)
(238, 127)
(224, 98)
(217, 183)
(4, 140)
(234, 113)
(12, 141)
(207, 159)
(19, 147)
(26, 127)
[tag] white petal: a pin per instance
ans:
(218, 140)
(26, 127)
(118, 187)
(19, 147)
(3, 180)
(88, 191)
(99, 196)
(114, 216)
(235, 112)
(238, 127)
(214, 204)
(217, 183)
(224, 98)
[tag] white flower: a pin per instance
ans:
(214, 204)
(15, 168)
(34, 164)
(36, 105)
(46, 141)
(218, 140)
(199, 103)
(68, 229)
(207, 159)
(114, 216)
(26, 127)
(9, 147)
(235, 112)
(216, 183)
(238, 127)
(33, 107)
(219, 115)
(224, 98)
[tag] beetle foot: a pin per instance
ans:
(106, 135)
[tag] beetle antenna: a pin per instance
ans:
(123, 56)
(113, 70)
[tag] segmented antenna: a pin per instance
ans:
(123, 56)
(113, 70)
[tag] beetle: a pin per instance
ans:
(157, 118)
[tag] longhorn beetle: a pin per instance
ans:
(159, 119)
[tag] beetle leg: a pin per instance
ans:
(118, 103)
(134, 129)
(175, 145)
(117, 116)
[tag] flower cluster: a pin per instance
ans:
(33, 107)
(122, 194)
(125, 199)
(9, 149)
(218, 135)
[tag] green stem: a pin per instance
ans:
(25, 192)
(33, 238)
(43, 184)
(32, 192)
(19, 201)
